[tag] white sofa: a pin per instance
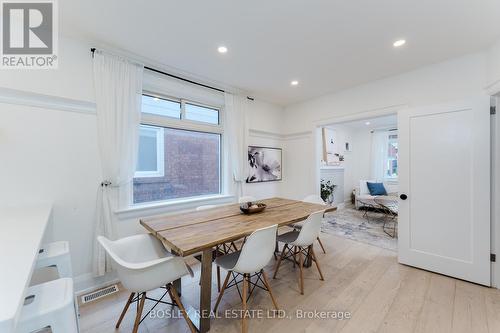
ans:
(362, 193)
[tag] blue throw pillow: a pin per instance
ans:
(376, 188)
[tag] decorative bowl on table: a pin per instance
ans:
(252, 207)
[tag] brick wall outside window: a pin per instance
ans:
(192, 168)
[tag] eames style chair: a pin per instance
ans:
(143, 264)
(220, 249)
(300, 243)
(248, 263)
(315, 199)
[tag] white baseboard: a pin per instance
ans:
(87, 282)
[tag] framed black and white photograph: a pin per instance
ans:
(264, 164)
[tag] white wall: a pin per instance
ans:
(493, 63)
(264, 121)
(359, 168)
(264, 125)
(73, 78)
(357, 161)
(49, 154)
(493, 88)
(52, 155)
(339, 134)
(450, 80)
(454, 79)
(495, 192)
(298, 165)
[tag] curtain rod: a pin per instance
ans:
(92, 50)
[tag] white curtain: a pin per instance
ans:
(236, 128)
(118, 88)
(380, 141)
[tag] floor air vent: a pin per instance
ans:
(99, 294)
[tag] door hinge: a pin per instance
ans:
(493, 110)
(493, 257)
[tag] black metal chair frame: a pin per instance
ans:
(139, 299)
(235, 281)
(390, 215)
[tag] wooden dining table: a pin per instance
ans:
(195, 232)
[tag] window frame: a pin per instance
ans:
(160, 155)
(386, 164)
(148, 119)
(183, 123)
(183, 111)
(163, 97)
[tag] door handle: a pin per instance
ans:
(403, 196)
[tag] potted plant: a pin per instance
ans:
(327, 188)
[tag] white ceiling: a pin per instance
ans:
(384, 122)
(327, 45)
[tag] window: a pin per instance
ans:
(160, 106)
(150, 161)
(201, 113)
(179, 151)
(391, 165)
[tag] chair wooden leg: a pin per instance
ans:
(173, 295)
(276, 247)
(218, 279)
(321, 244)
(279, 260)
(301, 273)
(268, 286)
(294, 256)
(224, 286)
(317, 263)
(140, 307)
(244, 324)
(130, 298)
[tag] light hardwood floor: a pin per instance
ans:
(380, 294)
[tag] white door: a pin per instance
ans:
(444, 172)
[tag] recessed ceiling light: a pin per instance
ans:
(294, 83)
(367, 123)
(399, 42)
(222, 49)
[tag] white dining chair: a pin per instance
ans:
(221, 249)
(143, 264)
(249, 262)
(246, 198)
(301, 243)
(315, 199)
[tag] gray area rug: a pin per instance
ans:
(349, 222)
